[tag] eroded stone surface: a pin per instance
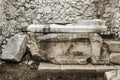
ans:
(36, 53)
(15, 48)
(112, 75)
(96, 44)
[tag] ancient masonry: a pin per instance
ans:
(18, 14)
(62, 31)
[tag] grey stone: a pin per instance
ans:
(113, 45)
(115, 58)
(112, 75)
(15, 48)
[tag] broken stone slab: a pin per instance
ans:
(115, 58)
(85, 26)
(15, 48)
(114, 46)
(112, 75)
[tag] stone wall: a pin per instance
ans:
(18, 14)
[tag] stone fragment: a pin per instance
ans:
(15, 48)
(100, 50)
(96, 44)
(36, 52)
(115, 58)
(27, 5)
(47, 9)
(112, 75)
(114, 46)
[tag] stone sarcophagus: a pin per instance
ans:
(68, 43)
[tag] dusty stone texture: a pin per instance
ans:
(95, 25)
(18, 14)
(15, 48)
(70, 50)
(115, 58)
(23, 13)
(112, 75)
(114, 46)
(100, 50)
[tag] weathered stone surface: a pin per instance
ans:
(114, 46)
(66, 52)
(61, 37)
(15, 48)
(115, 58)
(83, 26)
(60, 48)
(112, 75)
(36, 53)
(96, 44)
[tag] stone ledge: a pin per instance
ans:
(97, 68)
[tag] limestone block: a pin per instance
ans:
(15, 48)
(112, 75)
(114, 46)
(115, 58)
(83, 26)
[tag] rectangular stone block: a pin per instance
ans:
(115, 58)
(83, 26)
(15, 48)
(114, 46)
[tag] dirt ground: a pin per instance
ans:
(28, 70)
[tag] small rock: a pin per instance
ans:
(24, 24)
(30, 62)
(115, 58)
(15, 48)
(27, 5)
(47, 9)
